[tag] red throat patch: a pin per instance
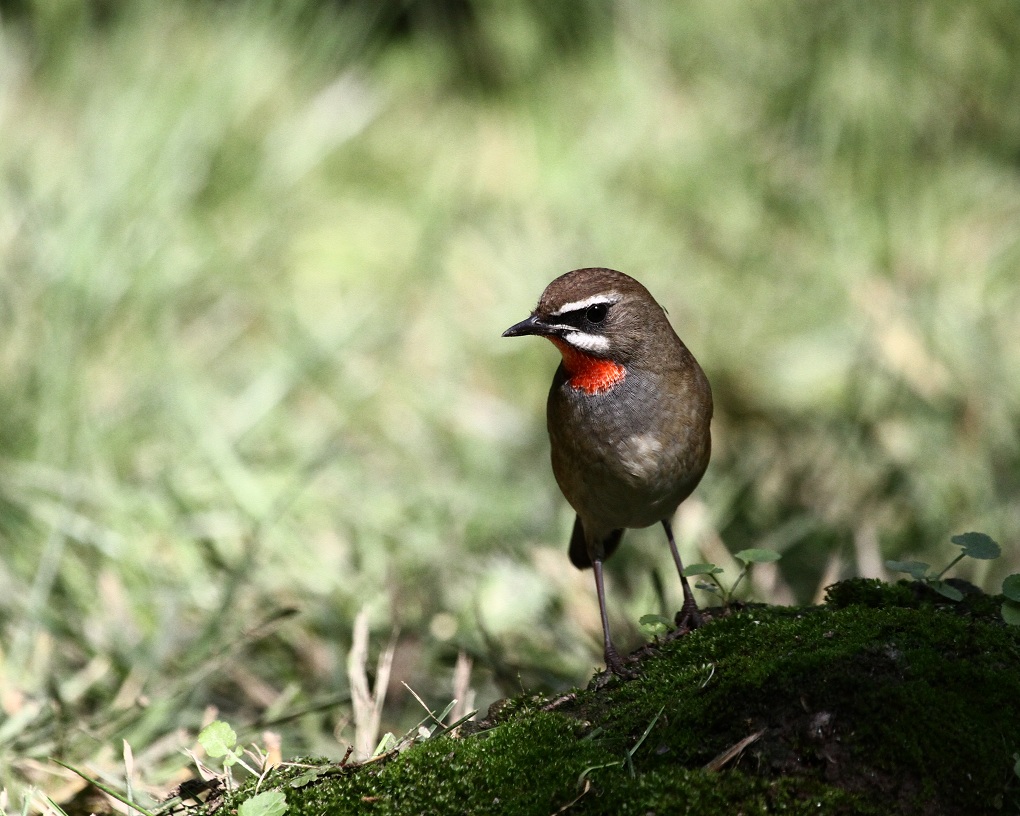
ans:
(593, 375)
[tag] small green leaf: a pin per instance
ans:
(1011, 587)
(706, 587)
(946, 590)
(977, 545)
(218, 739)
(655, 624)
(269, 803)
(1016, 767)
(1011, 612)
(915, 569)
(306, 778)
(755, 555)
(701, 569)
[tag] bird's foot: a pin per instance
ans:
(615, 667)
(686, 620)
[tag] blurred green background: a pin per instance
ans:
(255, 259)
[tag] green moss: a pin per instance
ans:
(869, 592)
(677, 790)
(532, 764)
(883, 701)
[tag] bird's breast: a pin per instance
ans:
(630, 454)
(641, 455)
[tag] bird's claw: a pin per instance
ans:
(616, 667)
(686, 620)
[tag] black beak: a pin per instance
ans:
(533, 325)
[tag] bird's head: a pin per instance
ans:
(602, 321)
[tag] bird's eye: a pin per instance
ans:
(596, 313)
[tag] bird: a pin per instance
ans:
(628, 415)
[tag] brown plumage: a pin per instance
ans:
(628, 416)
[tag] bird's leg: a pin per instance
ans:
(688, 617)
(613, 661)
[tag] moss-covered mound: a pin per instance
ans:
(882, 701)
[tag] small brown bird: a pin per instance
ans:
(628, 416)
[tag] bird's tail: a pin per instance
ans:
(579, 555)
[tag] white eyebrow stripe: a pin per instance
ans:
(586, 341)
(608, 299)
